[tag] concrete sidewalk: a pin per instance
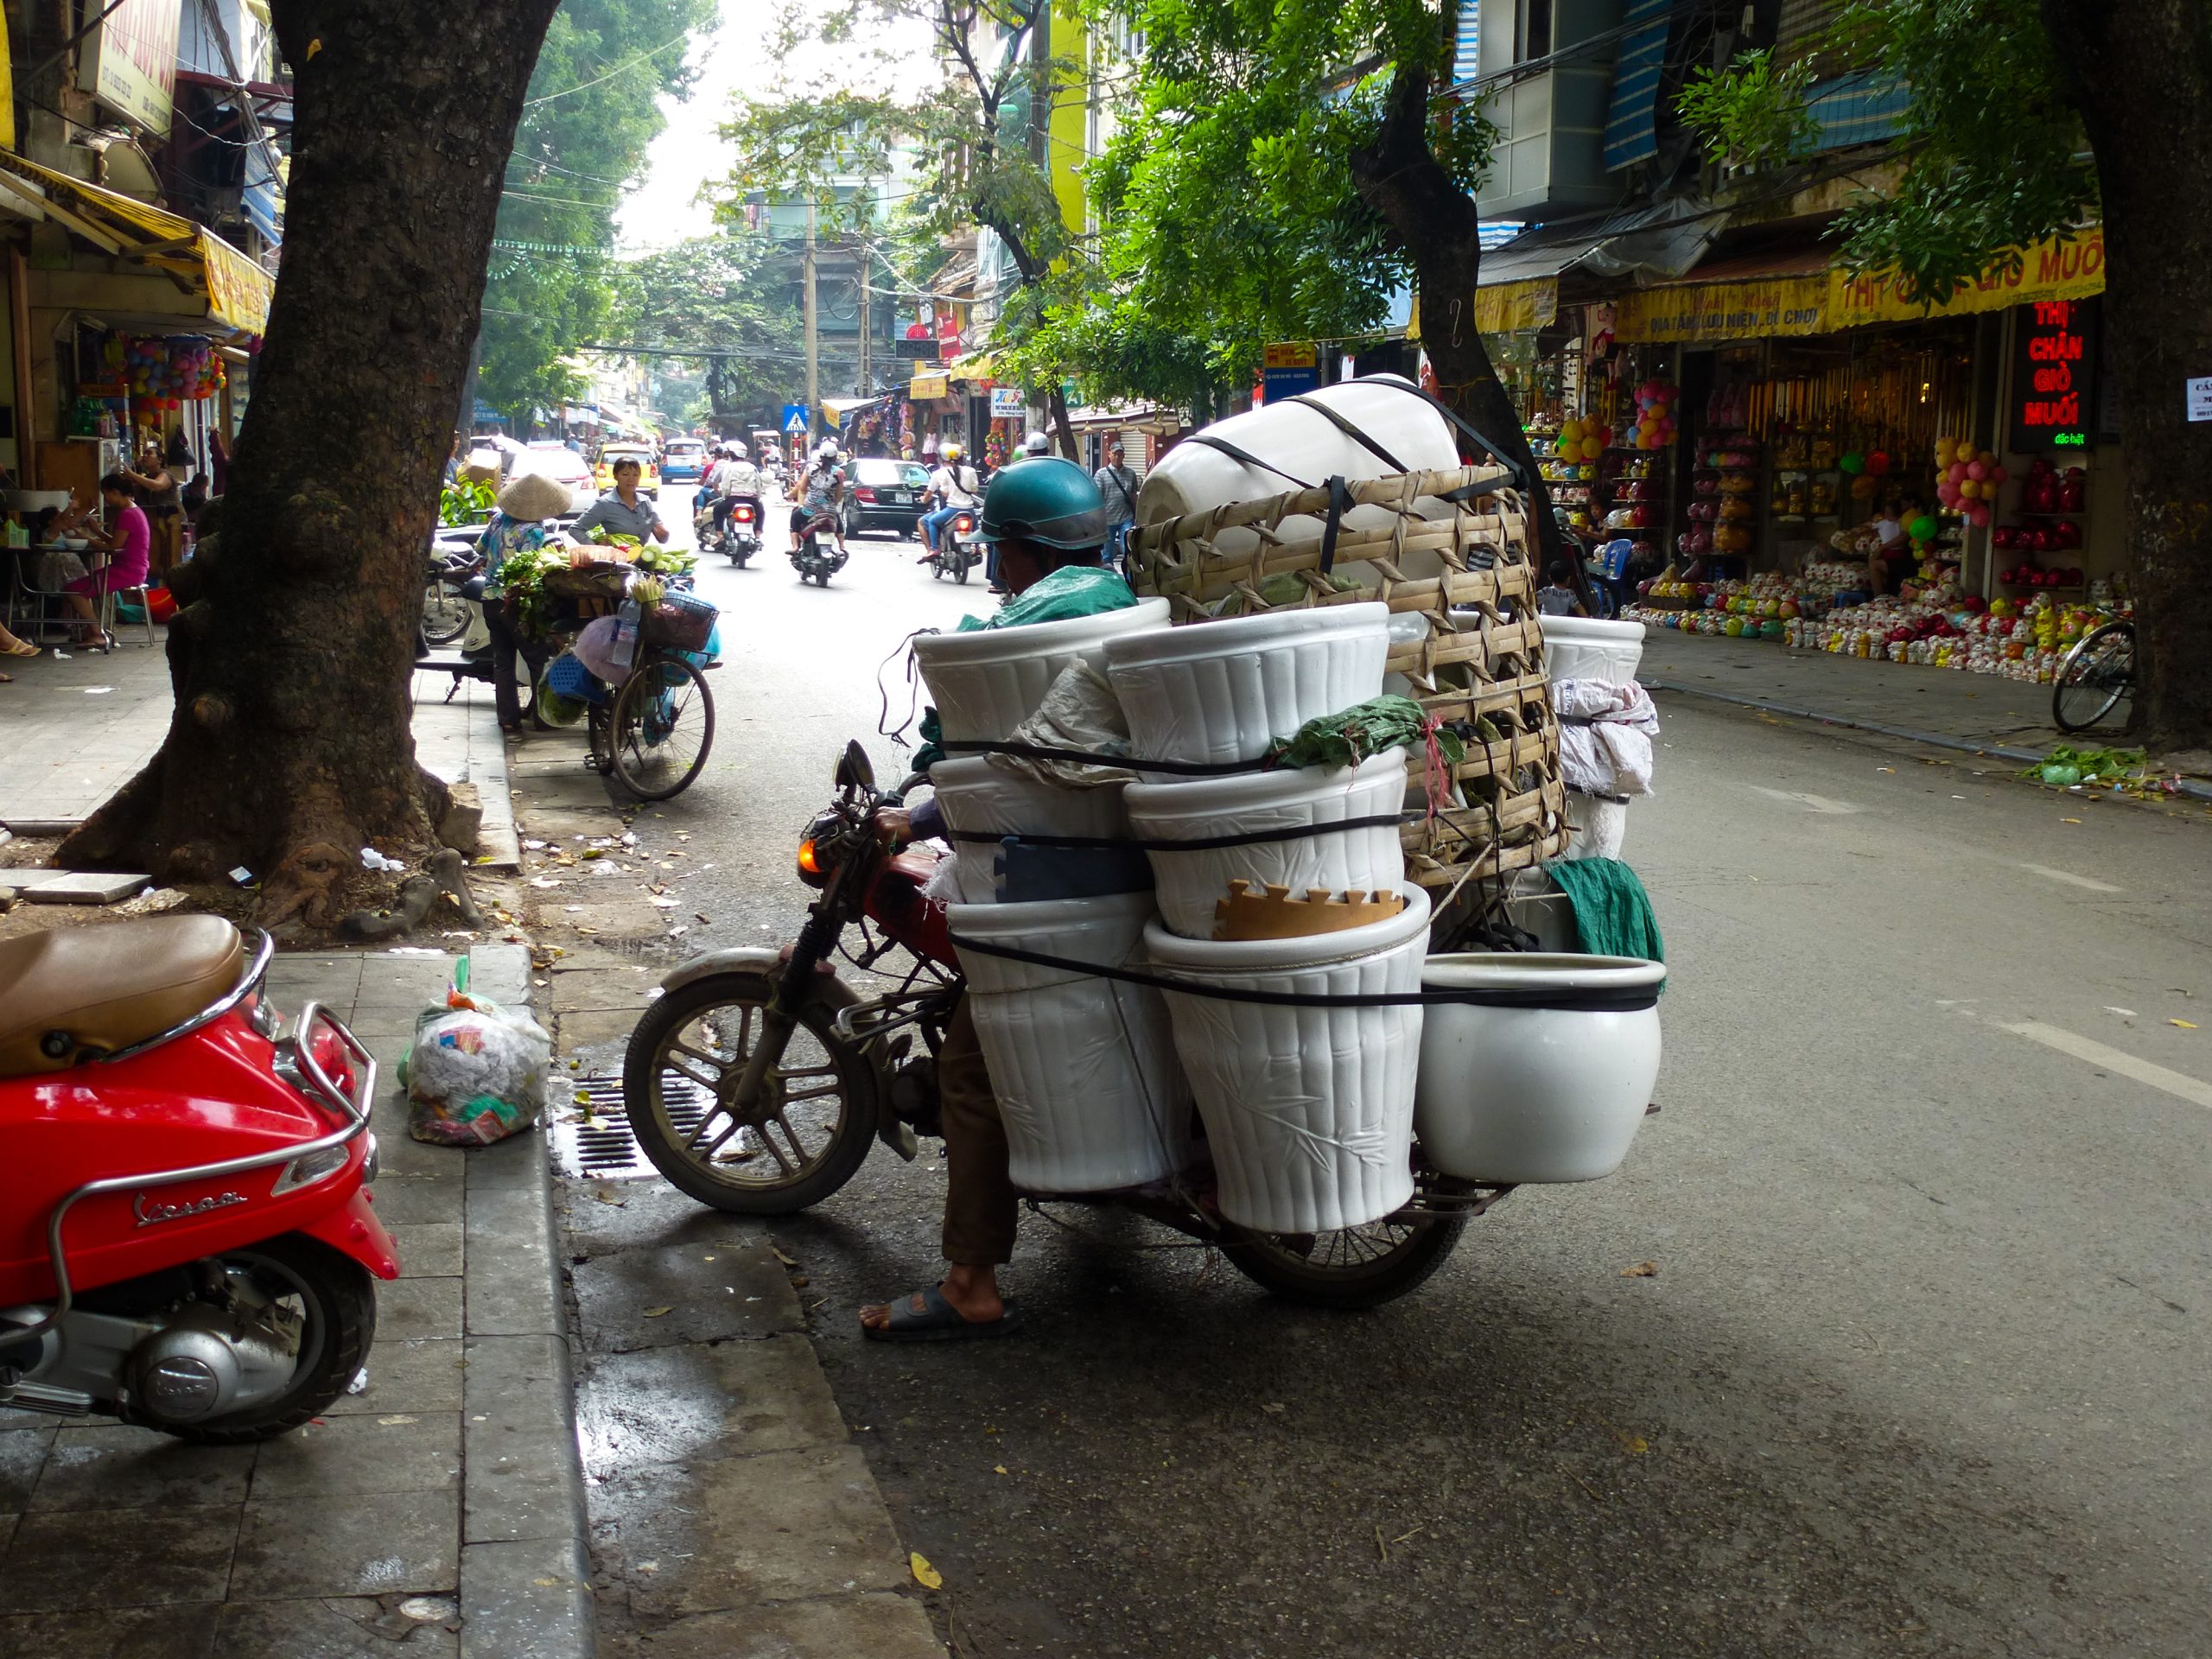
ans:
(77, 726)
(441, 1507)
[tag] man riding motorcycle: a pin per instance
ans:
(820, 494)
(732, 476)
(954, 488)
(1043, 517)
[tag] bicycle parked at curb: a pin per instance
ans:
(2096, 679)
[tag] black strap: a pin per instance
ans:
(1120, 762)
(1203, 844)
(1339, 504)
(1400, 383)
(1628, 1000)
(1350, 431)
(1244, 456)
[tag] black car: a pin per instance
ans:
(886, 495)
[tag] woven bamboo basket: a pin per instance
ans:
(1431, 543)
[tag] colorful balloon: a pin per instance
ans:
(1922, 529)
(1852, 463)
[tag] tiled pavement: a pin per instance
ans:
(75, 727)
(440, 1508)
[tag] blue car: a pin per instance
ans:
(683, 461)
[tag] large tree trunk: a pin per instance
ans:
(290, 748)
(1433, 220)
(2141, 76)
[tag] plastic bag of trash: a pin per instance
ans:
(475, 1074)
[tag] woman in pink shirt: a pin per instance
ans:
(129, 544)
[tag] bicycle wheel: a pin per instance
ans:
(2097, 676)
(445, 612)
(663, 726)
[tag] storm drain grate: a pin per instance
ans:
(598, 1144)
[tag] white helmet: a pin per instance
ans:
(736, 451)
(1036, 443)
(951, 451)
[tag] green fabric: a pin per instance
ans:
(1286, 589)
(1612, 912)
(932, 749)
(1059, 596)
(1365, 729)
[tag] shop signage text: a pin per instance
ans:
(130, 62)
(2054, 375)
(927, 388)
(1717, 311)
(2199, 393)
(1008, 402)
(1289, 367)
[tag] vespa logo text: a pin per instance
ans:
(149, 1212)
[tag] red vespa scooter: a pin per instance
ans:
(186, 1239)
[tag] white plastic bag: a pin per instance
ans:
(597, 647)
(475, 1076)
(1081, 713)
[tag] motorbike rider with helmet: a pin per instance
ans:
(732, 476)
(954, 488)
(820, 493)
(1046, 521)
(1036, 443)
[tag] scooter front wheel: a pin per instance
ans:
(1356, 1268)
(800, 1142)
(291, 1283)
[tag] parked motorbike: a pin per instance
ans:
(758, 1080)
(186, 1240)
(959, 550)
(454, 637)
(818, 556)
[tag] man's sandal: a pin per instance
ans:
(926, 1316)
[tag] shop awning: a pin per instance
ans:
(838, 407)
(1113, 416)
(975, 365)
(237, 290)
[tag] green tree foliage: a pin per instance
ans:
(1753, 111)
(729, 297)
(967, 116)
(592, 113)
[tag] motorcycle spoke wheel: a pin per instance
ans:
(1351, 1268)
(445, 613)
(662, 729)
(799, 1143)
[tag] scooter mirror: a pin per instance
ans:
(856, 770)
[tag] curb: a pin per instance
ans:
(2188, 786)
(526, 1557)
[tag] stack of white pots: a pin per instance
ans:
(1085, 1070)
(1308, 1111)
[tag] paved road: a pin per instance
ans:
(1923, 1368)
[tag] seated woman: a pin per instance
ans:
(128, 544)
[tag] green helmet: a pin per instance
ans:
(1045, 499)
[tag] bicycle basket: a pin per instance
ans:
(680, 622)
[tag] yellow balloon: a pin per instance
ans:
(1571, 433)
(1947, 451)
(1969, 489)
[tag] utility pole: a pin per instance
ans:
(866, 383)
(813, 361)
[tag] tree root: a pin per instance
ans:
(446, 875)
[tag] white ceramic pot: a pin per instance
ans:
(1587, 648)
(1308, 1111)
(1536, 1093)
(1083, 1068)
(987, 682)
(1370, 860)
(980, 799)
(1221, 691)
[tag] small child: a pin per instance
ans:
(1557, 596)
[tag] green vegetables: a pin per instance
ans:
(2065, 766)
(1365, 729)
(466, 500)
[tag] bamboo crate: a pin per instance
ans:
(1464, 547)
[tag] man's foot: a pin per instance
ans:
(931, 1316)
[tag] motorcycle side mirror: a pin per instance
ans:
(856, 770)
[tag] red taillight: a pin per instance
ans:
(745, 515)
(864, 493)
(963, 523)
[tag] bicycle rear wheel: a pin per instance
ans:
(663, 728)
(2097, 677)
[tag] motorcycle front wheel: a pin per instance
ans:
(801, 1142)
(1356, 1268)
(296, 1284)
(445, 613)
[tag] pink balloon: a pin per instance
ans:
(1978, 516)
(1948, 493)
(1976, 471)
(1998, 475)
(1957, 474)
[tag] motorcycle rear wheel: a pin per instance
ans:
(1357, 1267)
(962, 575)
(702, 1036)
(445, 612)
(336, 1301)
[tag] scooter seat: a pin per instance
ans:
(75, 994)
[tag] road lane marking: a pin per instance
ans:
(1798, 797)
(2072, 879)
(2112, 1059)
